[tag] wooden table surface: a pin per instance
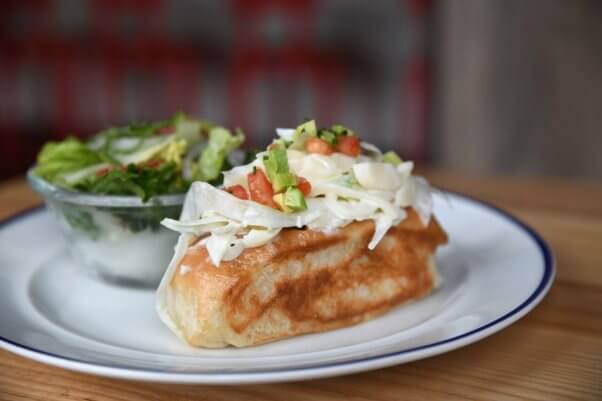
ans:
(554, 353)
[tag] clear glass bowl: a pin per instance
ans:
(117, 238)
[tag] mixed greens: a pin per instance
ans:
(144, 160)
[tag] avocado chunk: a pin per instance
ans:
(392, 158)
(283, 180)
(279, 199)
(294, 199)
(276, 167)
(291, 201)
(308, 127)
(275, 162)
(303, 133)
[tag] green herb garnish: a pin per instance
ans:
(327, 136)
(339, 129)
(141, 181)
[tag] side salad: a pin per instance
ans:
(143, 160)
(121, 239)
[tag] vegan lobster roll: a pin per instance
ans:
(320, 231)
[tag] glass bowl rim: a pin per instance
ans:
(53, 192)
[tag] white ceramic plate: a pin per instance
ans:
(494, 271)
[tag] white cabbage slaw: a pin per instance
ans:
(344, 189)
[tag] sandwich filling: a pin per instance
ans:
(321, 179)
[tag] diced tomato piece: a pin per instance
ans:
(317, 145)
(239, 191)
(166, 130)
(349, 145)
(304, 186)
(103, 171)
(153, 163)
(260, 189)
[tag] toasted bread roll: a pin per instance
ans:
(303, 281)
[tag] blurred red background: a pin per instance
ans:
(75, 67)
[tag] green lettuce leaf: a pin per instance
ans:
(140, 142)
(57, 158)
(221, 142)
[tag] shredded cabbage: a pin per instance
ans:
(343, 190)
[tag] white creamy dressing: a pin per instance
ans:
(344, 189)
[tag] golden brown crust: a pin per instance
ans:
(302, 281)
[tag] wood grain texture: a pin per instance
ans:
(554, 353)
